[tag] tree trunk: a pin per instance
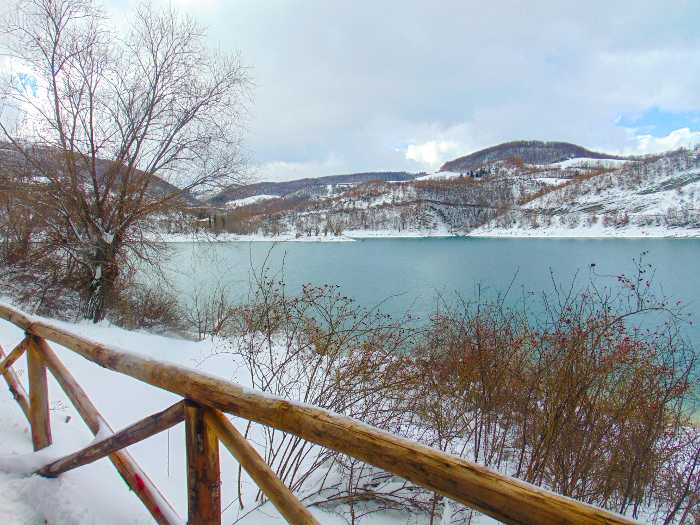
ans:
(100, 291)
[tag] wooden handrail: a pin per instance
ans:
(504, 498)
(14, 355)
(128, 436)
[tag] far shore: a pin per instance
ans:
(350, 236)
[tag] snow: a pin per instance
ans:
(592, 232)
(237, 203)
(33, 500)
(551, 181)
(95, 493)
(659, 200)
(234, 237)
(583, 162)
(579, 162)
(440, 175)
(595, 231)
(398, 234)
(25, 464)
(347, 236)
(383, 199)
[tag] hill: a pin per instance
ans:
(529, 151)
(282, 189)
(159, 187)
(656, 196)
(591, 194)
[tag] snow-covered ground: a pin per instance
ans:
(95, 494)
(595, 231)
(554, 232)
(347, 236)
(439, 175)
(236, 203)
(551, 181)
(441, 231)
(234, 237)
(585, 162)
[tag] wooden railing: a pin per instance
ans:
(504, 498)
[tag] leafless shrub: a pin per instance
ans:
(208, 313)
(147, 307)
(319, 348)
(580, 398)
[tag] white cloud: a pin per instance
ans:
(193, 7)
(679, 138)
(431, 144)
(550, 72)
(282, 170)
(432, 153)
(23, 102)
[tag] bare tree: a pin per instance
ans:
(116, 126)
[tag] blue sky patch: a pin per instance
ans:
(659, 123)
(28, 82)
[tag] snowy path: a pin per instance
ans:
(95, 494)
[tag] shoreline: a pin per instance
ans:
(354, 236)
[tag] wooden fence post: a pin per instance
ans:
(277, 492)
(38, 397)
(203, 474)
(137, 480)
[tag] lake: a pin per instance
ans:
(410, 273)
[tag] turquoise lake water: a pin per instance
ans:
(410, 273)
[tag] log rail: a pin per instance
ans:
(206, 398)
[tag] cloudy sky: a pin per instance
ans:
(405, 85)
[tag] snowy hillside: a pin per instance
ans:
(596, 195)
(585, 162)
(434, 204)
(527, 151)
(246, 201)
(655, 197)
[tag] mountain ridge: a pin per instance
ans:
(158, 185)
(284, 188)
(529, 151)
(655, 194)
